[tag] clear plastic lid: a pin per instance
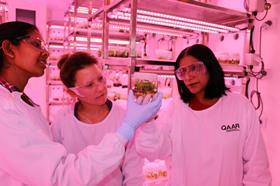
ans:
(144, 83)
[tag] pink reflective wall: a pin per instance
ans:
(270, 89)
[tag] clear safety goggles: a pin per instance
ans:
(192, 69)
(33, 41)
(84, 90)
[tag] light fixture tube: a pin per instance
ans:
(82, 10)
(163, 24)
(99, 40)
(172, 22)
(56, 46)
(154, 14)
(56, 27)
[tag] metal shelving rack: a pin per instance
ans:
(77, 13)
(56, 95)
(127, 19)
(203, 17)
(77, 27)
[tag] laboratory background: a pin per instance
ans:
(130, 36)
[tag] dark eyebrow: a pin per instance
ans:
(21, 37)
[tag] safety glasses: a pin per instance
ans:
(192, 69)
(35, 42)
(83, 90)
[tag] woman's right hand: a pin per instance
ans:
(138, 114)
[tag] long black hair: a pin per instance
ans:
(216, 85)
(11, 31)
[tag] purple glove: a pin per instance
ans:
(137, 114)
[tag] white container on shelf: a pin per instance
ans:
(163, 54)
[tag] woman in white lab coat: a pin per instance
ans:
(92, 116)
(211, 136)
(28, 155)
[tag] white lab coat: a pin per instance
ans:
(28, 156)
(218, 146)
(76, 135)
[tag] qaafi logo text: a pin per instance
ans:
(231, 128)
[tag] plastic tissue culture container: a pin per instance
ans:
(144, 83)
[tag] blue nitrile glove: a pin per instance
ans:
(137, 114)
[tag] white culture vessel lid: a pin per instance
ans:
(145, 76)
